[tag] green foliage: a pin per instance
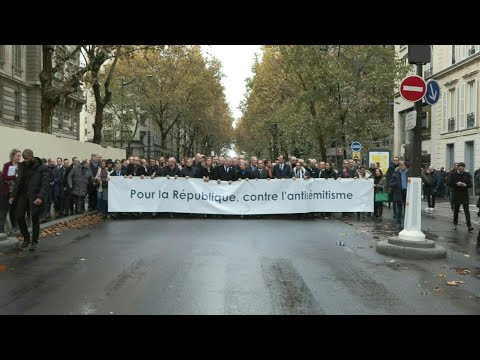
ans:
(316, 94)
(179, 91)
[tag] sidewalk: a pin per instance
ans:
(443, 209)
(10, 239)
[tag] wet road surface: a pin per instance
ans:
(235, 266)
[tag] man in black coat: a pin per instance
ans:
(29, 194)
(391, 170)
(476, 181)
(171, 170)
(136, 169)
(68, 208)
(226, 172)
(282, 170)
(260, 171)
(460, 181)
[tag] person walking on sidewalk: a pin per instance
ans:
(29, 194)
(430, 187)
(460, 181)
(476, 181)
(7, 182)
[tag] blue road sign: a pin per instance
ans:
(433, 92)
(356, 146)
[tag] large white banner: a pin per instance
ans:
(277, 196)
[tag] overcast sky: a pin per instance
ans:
(237, 61)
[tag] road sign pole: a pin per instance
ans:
(411, 241)
(416, 161)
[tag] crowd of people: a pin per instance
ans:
(30, 188)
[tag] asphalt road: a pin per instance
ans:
(230, 266)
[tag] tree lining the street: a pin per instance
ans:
(304, 97)
(180, 92)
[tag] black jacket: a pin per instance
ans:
(257, 174)
(122, 173)
(282, 174)
(477, 182)
(225, 175)
(460, 193)
(33, 181)
(65, 176)
(209, 173)
(169, 172)
(192, 172)
(312, 172)
(138, 170)
(332, 174)
(158, 171)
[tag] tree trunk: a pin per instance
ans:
(49, 100)
(98, 124)
(47, 109)
(321, 140)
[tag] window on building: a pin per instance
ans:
(2, 53)
(452, 109)
(71, 117)
(471, 50)
(471, 103)
(452, 50)
(18, 105)
(450, 156)
(17, 56)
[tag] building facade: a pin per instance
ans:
(20, 93)
(450, 131)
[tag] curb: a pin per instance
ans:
(53, 223)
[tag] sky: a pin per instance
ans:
(237, 61)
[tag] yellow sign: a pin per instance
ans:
(382, 157)
(356, 155)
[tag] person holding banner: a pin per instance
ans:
(282, 170)
(381, 193)
(171, 170)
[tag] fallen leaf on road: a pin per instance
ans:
(455, 282)
(344, 234)
(405, 268)
(438, 289)
(390, 261)
(462, 271)
(441, 275)
(3, 268)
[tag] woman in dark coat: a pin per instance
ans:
(7, 182)
(380, 184)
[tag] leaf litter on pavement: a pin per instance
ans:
(455, 282)
(79, 223)
(462, 271)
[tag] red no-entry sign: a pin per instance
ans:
(413, 88)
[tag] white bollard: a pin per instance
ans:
(412, 229)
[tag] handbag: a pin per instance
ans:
(381, 196)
